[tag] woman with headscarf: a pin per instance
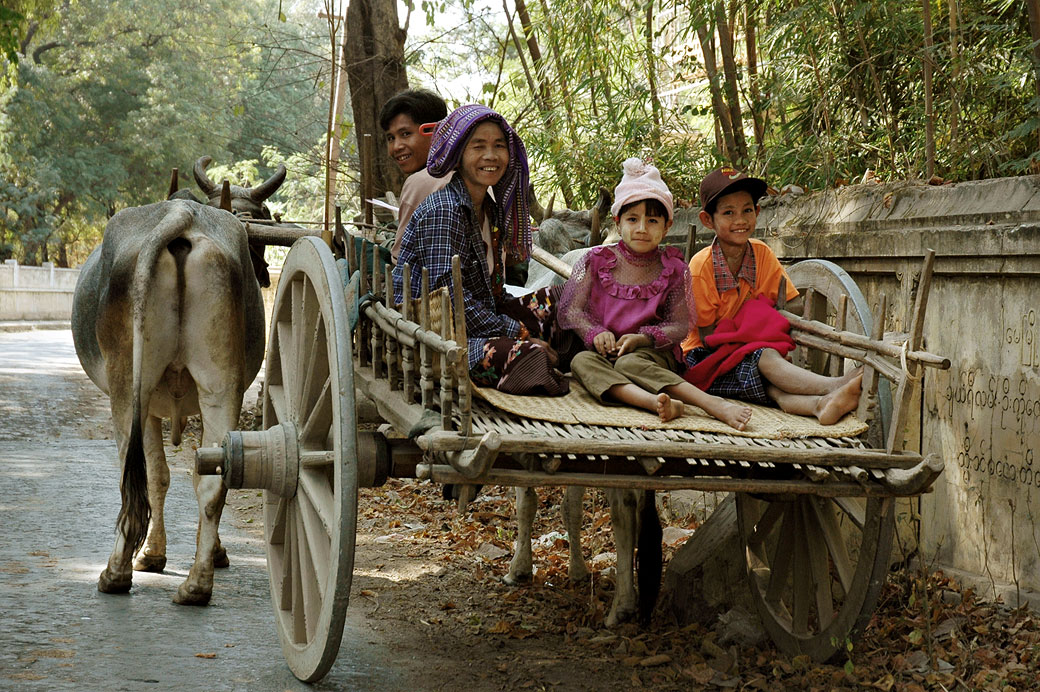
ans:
(509, 338)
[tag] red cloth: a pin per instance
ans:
(756, 325)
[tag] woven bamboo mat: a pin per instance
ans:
(579, 407)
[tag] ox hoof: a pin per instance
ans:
(518, 579)
(192, 595)
(109, 584)
(150, 563)
(220, 558)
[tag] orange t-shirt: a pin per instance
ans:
(713, 306)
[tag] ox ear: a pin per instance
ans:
(225, 196)
(201, 179)
(173, 183)
(267, 188)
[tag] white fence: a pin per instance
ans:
(36, 293)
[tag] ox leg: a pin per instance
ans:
(521, 570)
(152, 557)
(219, 414)
(623, 512)
(573, 513)
(117, 576)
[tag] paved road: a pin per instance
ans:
(58, 501)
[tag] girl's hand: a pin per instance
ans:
(604, 343)
(630, 342)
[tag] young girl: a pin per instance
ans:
(631, 305)
(509, 339)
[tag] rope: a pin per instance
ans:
(904, 349)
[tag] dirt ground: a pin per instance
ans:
(430, 580)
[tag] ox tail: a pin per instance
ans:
(648, 556)
(135, 513)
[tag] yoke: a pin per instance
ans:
(815, 515)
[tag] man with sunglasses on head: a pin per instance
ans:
(401, 119)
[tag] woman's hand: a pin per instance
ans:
(630, 342)
(604, 343)
(554, 358)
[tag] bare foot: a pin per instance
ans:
(851, 375)
(734, 415)
(836, 404)
(668, 408)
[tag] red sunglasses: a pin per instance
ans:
(428, 128)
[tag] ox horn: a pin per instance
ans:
(269, 186)
(205, 184)
(173, 183)
(225, 196)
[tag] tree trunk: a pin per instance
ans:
(955, 72)
(651, 73)
(1034, 32)
(374, 58)
(729, 66)
(751, 46)
(929, 115)
(541, 94)
(718, 104)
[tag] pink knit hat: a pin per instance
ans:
(641, 181)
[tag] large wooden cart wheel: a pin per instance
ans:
(816, 565)
(309, 392)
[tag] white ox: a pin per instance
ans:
(635, 522)
(168, 321)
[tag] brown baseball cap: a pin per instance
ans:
(722, 181)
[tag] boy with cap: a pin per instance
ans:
(737, 346)
(630, 304)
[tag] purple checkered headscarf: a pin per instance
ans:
(514, 216)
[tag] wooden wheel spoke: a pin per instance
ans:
(318, 539)
(783, 555)
(287, 361)
(276, 524)
(318, 421)
(856, 511)
(314, 485)
(835, 542)
(276, 395)
(316, 369)
(299, 623)
(287, 571)
(802, 578)
(310, 586)
(299, 331)
(763, 527)
(818, 567)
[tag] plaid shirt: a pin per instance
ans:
(724, 280)
(445, 225)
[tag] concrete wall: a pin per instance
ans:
(983, 415)
(36, 293)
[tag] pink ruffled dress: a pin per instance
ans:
(615, 289)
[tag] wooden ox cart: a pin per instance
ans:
(815, 515)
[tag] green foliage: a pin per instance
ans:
(840, 89)
(113, 94)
